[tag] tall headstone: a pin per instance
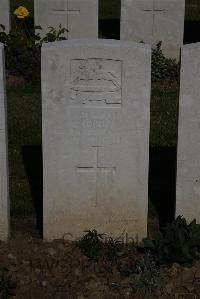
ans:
(188, 161)
(80, 17)
(152, 21)
(96, 102)
(4, 197)
(5, 14)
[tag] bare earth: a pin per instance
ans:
(60, 270)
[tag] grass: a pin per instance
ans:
(24, 116)
(24, 129)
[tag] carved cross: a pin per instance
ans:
(154, 12)
(96, 169)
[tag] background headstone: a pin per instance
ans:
(188, 168)
(152, 21)
(80, 17)
(5, 14)
(4, 197)
(96, 110)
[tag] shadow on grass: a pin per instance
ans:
(32, 156)
(192, 32)
(109, 28)
(162, 182)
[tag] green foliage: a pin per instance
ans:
(53, 34)
(91, 244)
(163, 68)
(145, 277)
(23, 48)
(113, 249)
(7, 284)
(177, 242)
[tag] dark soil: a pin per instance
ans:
(60, 270)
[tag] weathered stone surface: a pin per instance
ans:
(4, 198)
(152, 21)
(96, 102)
(5, 13)
(80, 17)
(188, 161)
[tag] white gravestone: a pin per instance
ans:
(4, 198)
(5, 14)
(80, 17)
(152, 21)
(188, 161)
(96, 101)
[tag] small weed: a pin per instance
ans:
(114, 249)
(177, 242)
(7, 284)
(145, 277)
(163, 68)
(91, 244)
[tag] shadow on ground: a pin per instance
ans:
(162, 182)
(32, 156)
(109, 28)
(192, 32)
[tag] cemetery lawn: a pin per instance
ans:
(24, 136)
(24, 132)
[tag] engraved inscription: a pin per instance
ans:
(96, 81)
(97, 170)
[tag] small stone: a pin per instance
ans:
(22, 282)
(26, 263)
(44, 283)
(169, 288)
(11, 257)
(37, 271)
(51, 251)
(197, 274)
(174, 269)
(190, 288)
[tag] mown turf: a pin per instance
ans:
(24, 128)
(24, 116)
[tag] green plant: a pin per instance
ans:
(163, 68)
(114, 249)
(177, 242)
(7, 284)
(91, 244)
(23, 47)
(145, 277)
(53, 35)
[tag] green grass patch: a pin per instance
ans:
(164, 111)
(24, 128)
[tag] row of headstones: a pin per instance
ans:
(95, 116)
(149, 21)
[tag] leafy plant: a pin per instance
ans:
(145, 277)
(177, 242)
(114, 249)
(91, 244)
(163, 68)
(23, 47)
(54, 34)
(7, 284)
